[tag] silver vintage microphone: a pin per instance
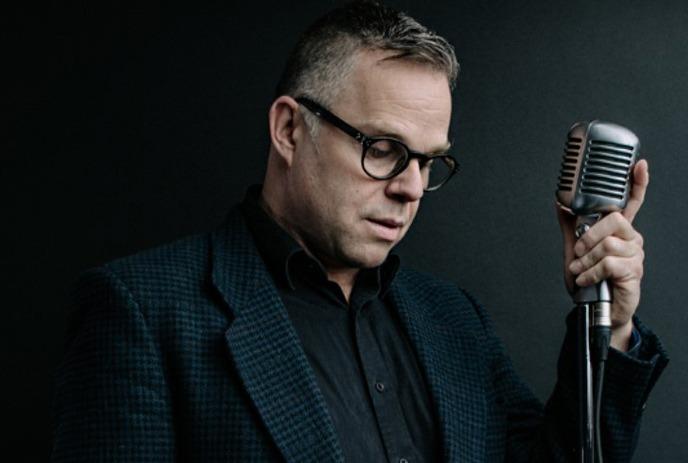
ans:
(594, 180)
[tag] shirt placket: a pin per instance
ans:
(382, 391)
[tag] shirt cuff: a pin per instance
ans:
(634, 343)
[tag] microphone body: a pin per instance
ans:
(594, 180)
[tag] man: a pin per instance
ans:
(292, 334)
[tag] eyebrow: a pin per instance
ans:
(443, 150)
(374, 132)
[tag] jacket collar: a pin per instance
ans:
(267, 353)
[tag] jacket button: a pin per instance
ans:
(380, 388)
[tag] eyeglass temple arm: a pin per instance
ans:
(319, 111)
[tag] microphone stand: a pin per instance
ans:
(585, 399)
(593, 307)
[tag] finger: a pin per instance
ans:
(641, 179)
(611, 268)
(567, 223)
(609, 246)
(614, 224)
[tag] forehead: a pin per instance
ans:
(397, 96)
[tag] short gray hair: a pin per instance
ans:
(325, 54)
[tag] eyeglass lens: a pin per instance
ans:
(386, 158)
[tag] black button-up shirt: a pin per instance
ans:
(364, 363)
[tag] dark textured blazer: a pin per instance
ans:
(186, 353)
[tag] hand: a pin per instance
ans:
(610, 250)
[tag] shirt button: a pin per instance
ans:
(380, 388)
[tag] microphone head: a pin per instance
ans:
(596, 169)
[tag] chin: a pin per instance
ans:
(369, 256)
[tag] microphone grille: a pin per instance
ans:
(596, 168)
(607, 169)
(569, 163)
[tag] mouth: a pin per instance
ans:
(386, 229)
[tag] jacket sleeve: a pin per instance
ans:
(550, 433)
(628, 380)
(111, 402)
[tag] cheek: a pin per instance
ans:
(412, 216)
(345, 195)
(337, 193)
(330, 204)
(341, 207)
(414, 211)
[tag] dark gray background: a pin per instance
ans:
(135, 126)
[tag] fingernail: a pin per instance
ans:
(580, 281)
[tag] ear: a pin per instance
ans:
(285, 127)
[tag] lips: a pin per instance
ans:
(386, 229)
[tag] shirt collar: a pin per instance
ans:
(275, 245)
(278, 249)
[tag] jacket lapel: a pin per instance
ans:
(453, 368)
(267, 352)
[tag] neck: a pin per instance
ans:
(343, 276)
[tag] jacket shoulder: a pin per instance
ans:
(175, 271)
(432, 288)
(445, 299)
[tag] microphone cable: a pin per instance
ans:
(601, 337)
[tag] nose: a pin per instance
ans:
(408, 185)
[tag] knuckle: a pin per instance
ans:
(607, 265)
(588, 240)
(587, 260)
(583, 240)
(638, 267)
(610, 245)
(617, 217)
(640, 271)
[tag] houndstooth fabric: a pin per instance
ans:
(186, 353)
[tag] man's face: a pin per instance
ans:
(342, 216)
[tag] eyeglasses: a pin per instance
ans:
(383, 158)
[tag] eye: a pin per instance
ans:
(378, 152)
(381, 149)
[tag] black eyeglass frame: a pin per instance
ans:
(366, 141)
